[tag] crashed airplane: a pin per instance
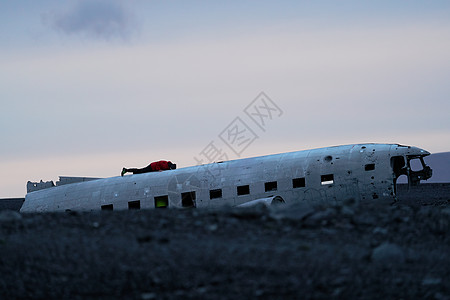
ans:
(361, 172)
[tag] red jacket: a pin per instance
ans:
(160, 165)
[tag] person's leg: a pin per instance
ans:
(140, 171)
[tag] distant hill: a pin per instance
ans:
(440, 164)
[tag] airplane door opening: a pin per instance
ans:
(399, 168)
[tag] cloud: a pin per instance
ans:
(105, 20)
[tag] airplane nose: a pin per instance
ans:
(418, 151)
(424, 152)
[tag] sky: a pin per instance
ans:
(90, 86)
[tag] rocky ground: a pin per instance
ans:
(351, 250)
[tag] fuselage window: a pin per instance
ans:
(270, 186)
(134, 204)
(188, 199)
(107, 207)
(161, 201)
(243, 190)
(369, 167)
(298, 182)
(327, 179)
(213, 194)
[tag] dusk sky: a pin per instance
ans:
(88, 87)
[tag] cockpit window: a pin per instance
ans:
(423, 172)
(414, 168)
(416, 164)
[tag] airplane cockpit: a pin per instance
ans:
(411, 164)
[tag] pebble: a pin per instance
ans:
(255, 212)
(294, 212)
(148, 296)
(440, 296)
(9, 216)
(388, 254)
(347, 211)
(321, 217)
(213, 227)
(431, 281)
(380, 230)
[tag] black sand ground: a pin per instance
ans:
(351, 250)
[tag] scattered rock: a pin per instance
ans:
(388, 254)
(144, 239)
(202, 290)
(7, 216)
(320, 218)
(148, 296)
(293, 212)
(212, 227)
(380, 230)
(440, 296)
(228, 254)
(95, 224)
(254, 212)
(347, 211)
(350, 202)
(164, 240)
(367, 220)
(431, 281)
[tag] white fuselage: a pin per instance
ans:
(361, 172)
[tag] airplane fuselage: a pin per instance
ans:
(360, 171)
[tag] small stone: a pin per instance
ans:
(10, 216)
(293, 212)
(304, 247)
(163, 240)
(388, 254)
(251, 212)
(350, 202)
(439, 296)
(213, 227)
(337, 292)
(347, 211)
(365, 220)
(148, 296)
(328, 231)
(398, 281)
(320, 218)
(431, 281)
(380, 230)
(339, 281)
(144, 239)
